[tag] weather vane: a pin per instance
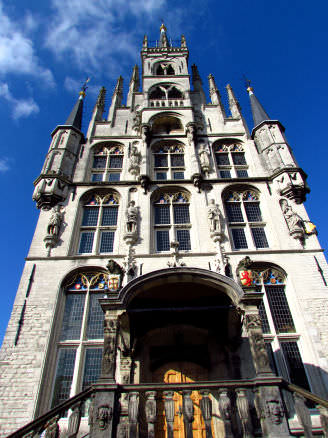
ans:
(84, 85)
(247, 81)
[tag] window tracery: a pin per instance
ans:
(99, 223)
(168, 162)
(245, 221)
(230, 160)
(107, 163)
(172, 221)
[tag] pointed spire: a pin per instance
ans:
(134, 87)
(75, 118)
(258, 112)
(215, 94)
(183, 41)
(145, 42)
(118, 92)
(101, 99)
(234, 105)
(163, 42)
(135, 78)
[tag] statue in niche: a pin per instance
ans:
(294, 221)
(191, 132)
(204, 159)
(135, 158)
(132, 217)
(213, 214)
(55, 222)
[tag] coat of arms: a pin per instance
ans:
(113, 282)
(246, 277)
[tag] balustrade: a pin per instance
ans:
(165, 102)
(236, 406)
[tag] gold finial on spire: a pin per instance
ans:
(248, 85)
(84, 88)
(162, 27)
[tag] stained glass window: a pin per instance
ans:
(239, 238)
(86, 242)
(83, 320)
(243, 206)
(100, 215)
(106, 158)
(168, 157)
(64, 375)
(162, 240)
(230, 160)
(183, 237)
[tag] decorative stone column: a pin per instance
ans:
(268, 400)
(104, 404)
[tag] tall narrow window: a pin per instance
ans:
(107, 163)
(230, 160)
(168, 162)
(278, 326)
(79, 349)
(172, 221)
(245, 220)
(99, 223)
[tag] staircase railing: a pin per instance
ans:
(137, 408)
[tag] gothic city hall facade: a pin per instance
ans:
(175, 286)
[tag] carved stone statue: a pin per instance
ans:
(135, 158)
(191, 133)
(204, 159)
(55, 221)
(132, 217)
(213, 213)
(293, 220)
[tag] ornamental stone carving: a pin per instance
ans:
(214, 216)
(204, 159)
(110, 343)
(135, 160)
(104, 416)
(53, 228)
(131, 231)
(274, 411)
(293, 220)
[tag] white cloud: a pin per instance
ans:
(93, 34)
(17, 53)
(20, 107)
(4, 165)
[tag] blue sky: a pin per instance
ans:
(47, 49)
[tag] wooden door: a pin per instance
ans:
(180, 373)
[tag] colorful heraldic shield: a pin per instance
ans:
(246, 277)
(113, 282)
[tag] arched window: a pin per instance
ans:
(164, 69)
(230, 160)
(157, 93)
(245, 220)
(168, 161)
(174, 93)
(107, 163)
(172, 221)
(166, 124)
(99, 223)
(80, 343)
(278, 326)
(167, 92)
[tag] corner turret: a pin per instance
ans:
(276, 154)
(51, 187)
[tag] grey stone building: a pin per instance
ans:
(175, 285)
